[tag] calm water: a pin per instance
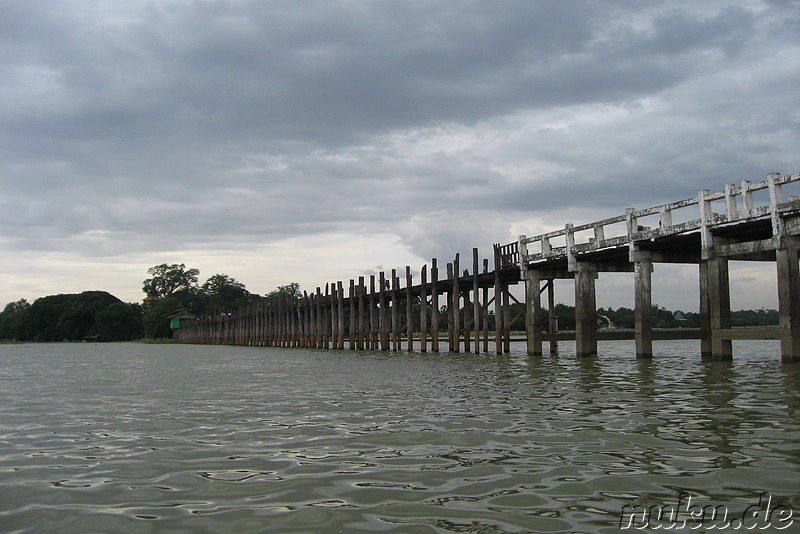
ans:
(169, 438)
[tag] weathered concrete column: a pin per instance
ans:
(789, 299)
(585, 311)
(643, 309)
(498, 312)
(533, 329)
(552, 318)
(715, 288)
(705, 316)
(506, 318)
(434, 306)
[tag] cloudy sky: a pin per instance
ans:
(281, 141)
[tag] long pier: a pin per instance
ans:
(466, 311)
(471, 310)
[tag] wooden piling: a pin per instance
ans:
(788, 301)
(423, 310)
(585, 311)
(533, 329)
(409, 315)
(434, 306)
(643, 309)
(456, 315)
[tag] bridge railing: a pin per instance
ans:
(736, 202)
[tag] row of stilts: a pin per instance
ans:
(468, 312)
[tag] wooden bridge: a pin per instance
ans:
(471, 310)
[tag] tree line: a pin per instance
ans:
(102, 316)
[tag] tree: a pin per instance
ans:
(290, 292)
(224, 292)
(155, 322)
(119, 322)
(72, 317)
(12, 317)
(169, 279)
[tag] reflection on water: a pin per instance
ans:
(140, 438)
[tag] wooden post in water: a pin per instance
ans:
(332, 316)
(719, 307)
(353, 301)
(643, 309)
(705, 314)
(450, 308)
(456, 307)
(383, 318)
(498, 312)
(585, 311)
(361, 314)
(423, 309)
(340, 319)
(320, 321)
(485, 309)
(395, 311)
(552, 318)
(409, 315)
(506, 318)
(373, 327)
(434, 306)
(309, 309)
(467, 320)
(476, 305)
(789, 298)
(533, 329)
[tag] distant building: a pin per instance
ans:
(149, 300)
(180, 317)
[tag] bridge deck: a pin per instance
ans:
(715, 228)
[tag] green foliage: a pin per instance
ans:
(72, 317)
(119, 321)
(760, 317)
(12, 317)
(566, 316)
(155, 322)
(225, 293)
(177, 287)
(288, 292)
(169, 279)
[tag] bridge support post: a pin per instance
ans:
(434, 306)
(585, 311)
(789, 299)
(715, 309)
(552, 318)
(643, 309)
(498, 313)
(533, 329)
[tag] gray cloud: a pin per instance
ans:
(166, 126)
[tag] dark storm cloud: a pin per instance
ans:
(160, 125)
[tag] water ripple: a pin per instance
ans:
(129, 438)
